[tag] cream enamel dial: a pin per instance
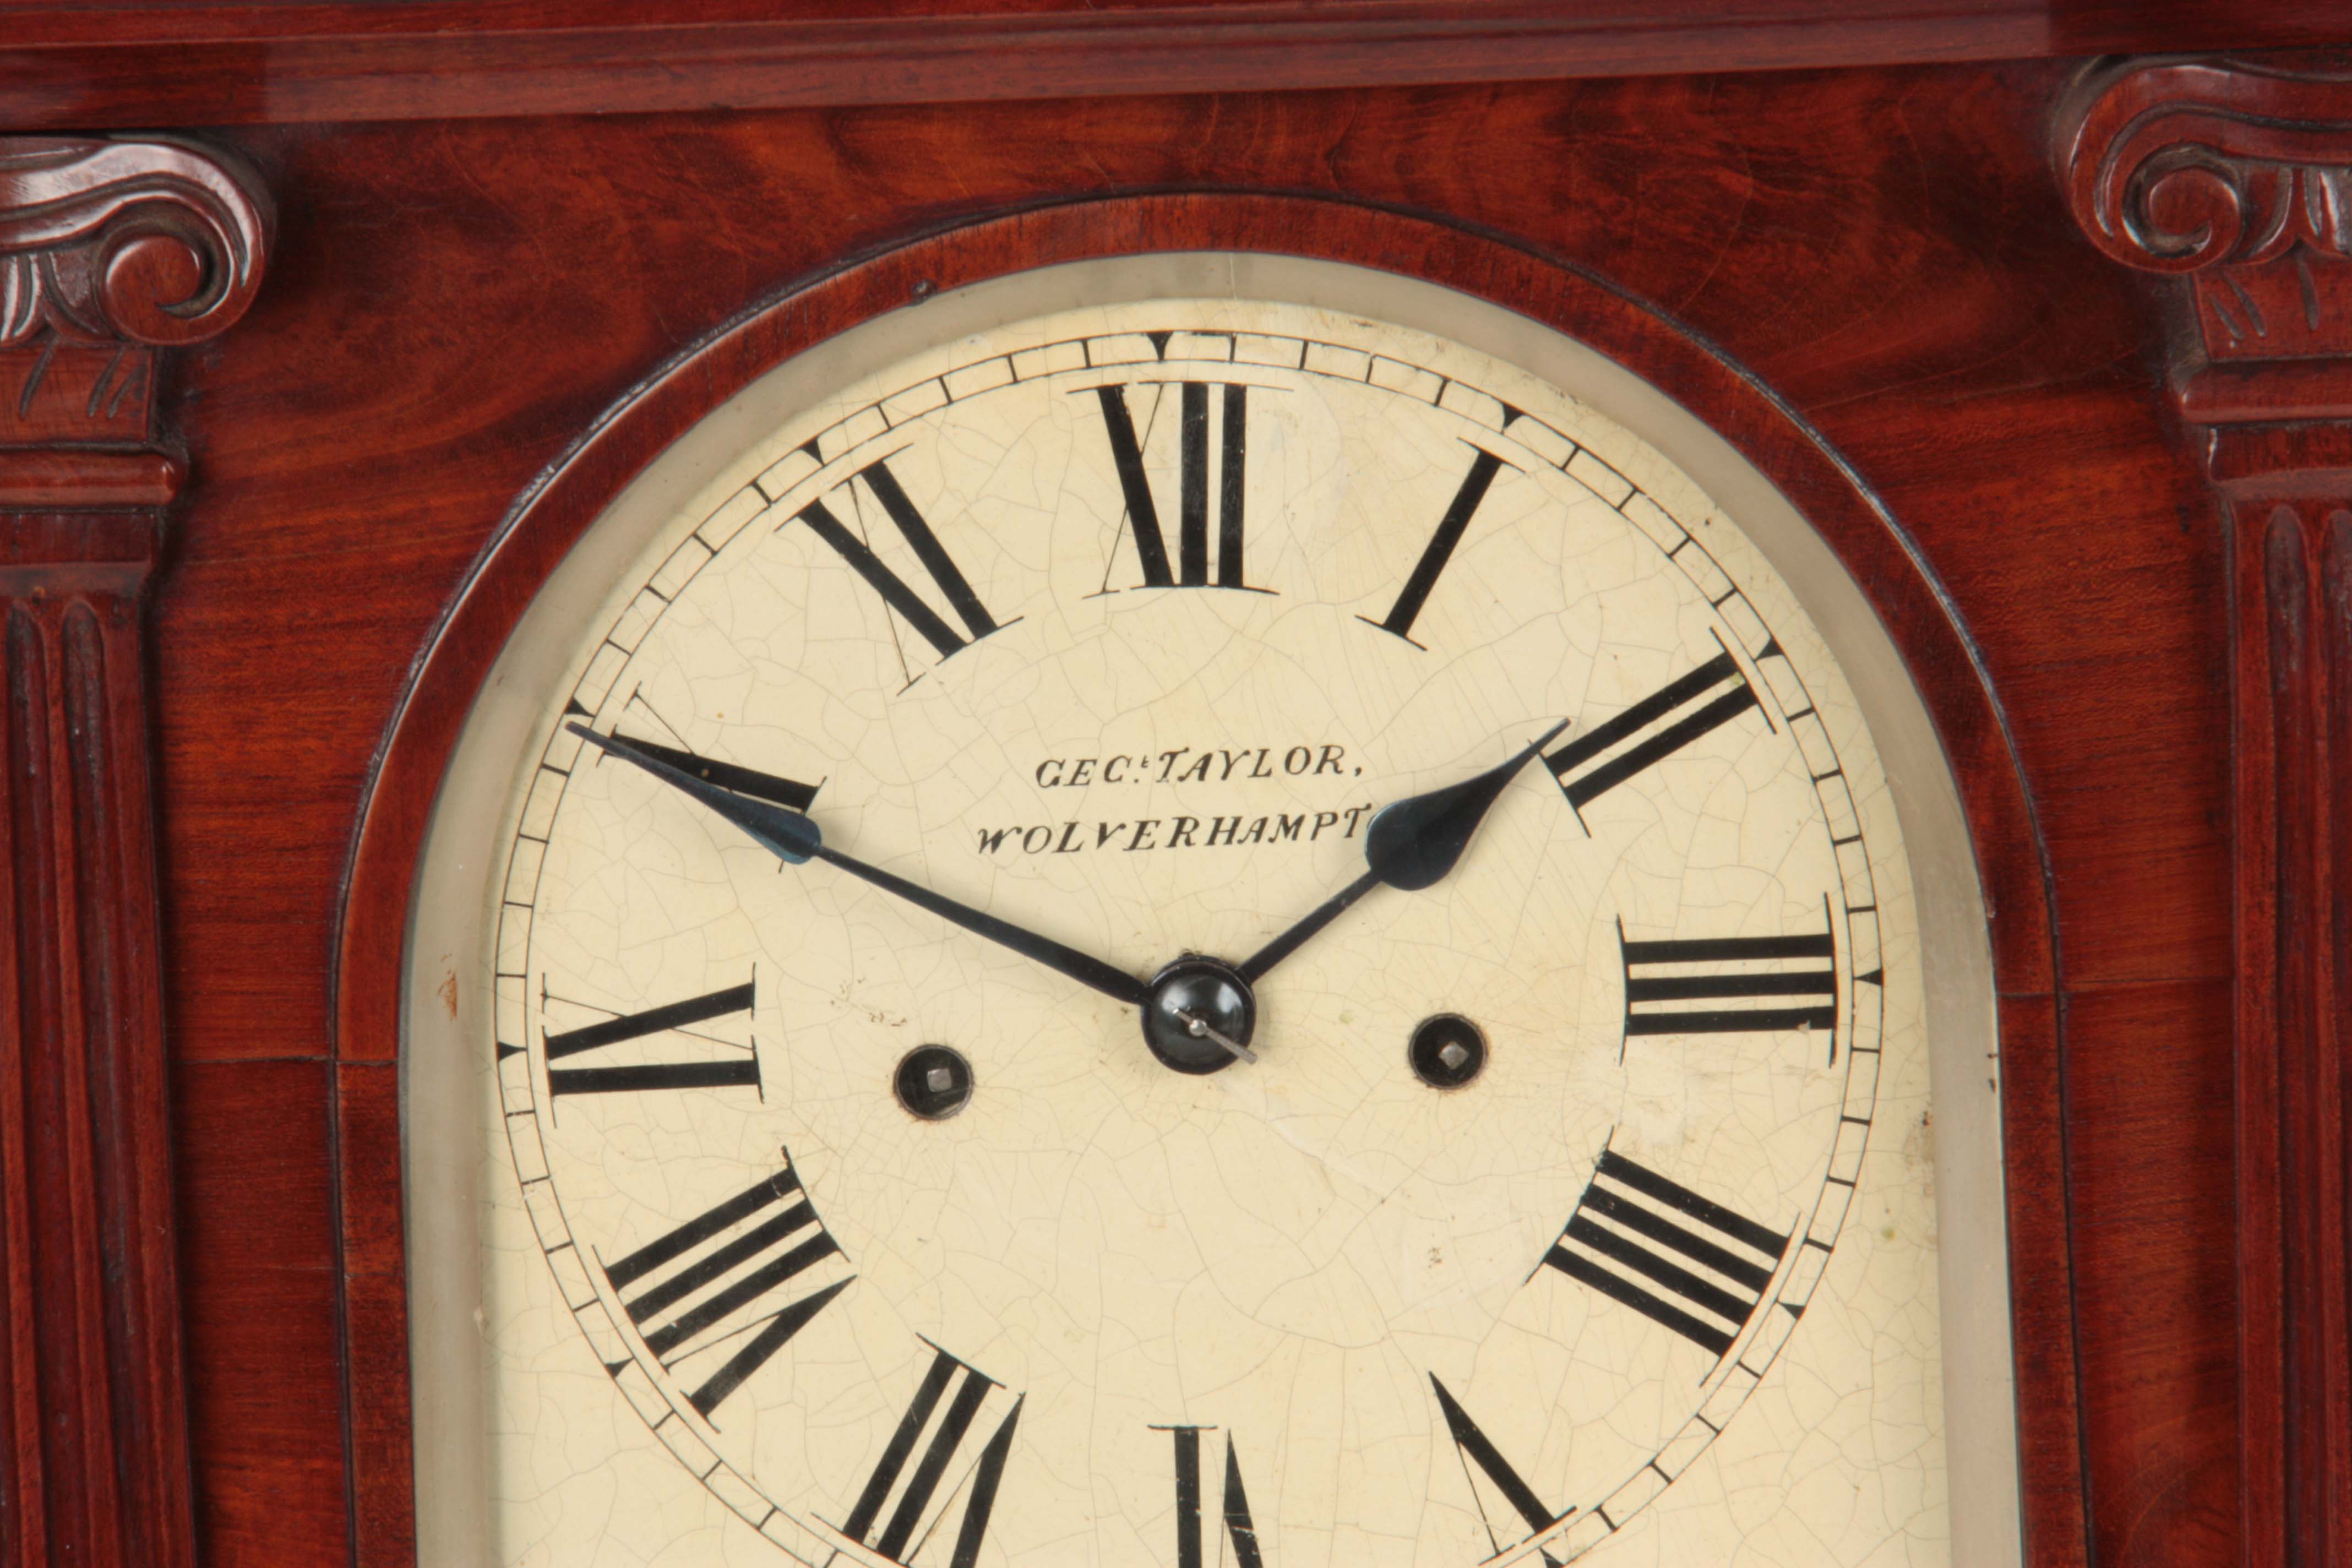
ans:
(931, 1128)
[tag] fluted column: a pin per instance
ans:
(2237, 179)
(110, 251)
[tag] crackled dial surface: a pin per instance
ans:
(1569, 1202)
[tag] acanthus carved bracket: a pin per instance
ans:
(141, 242)
(2235, 177)
(111, 251)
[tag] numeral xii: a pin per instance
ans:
(1191, 567)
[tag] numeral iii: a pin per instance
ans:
(1728, 986)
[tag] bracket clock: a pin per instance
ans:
(1258, 784)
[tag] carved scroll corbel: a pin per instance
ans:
(2236, 177)
(110, 252)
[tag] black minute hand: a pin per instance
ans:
(796, 839)
(1411, 843)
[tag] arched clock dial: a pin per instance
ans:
(1206, 932)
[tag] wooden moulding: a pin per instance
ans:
(2235, 180)
(110, 252)
(560, 509)
(142, 62)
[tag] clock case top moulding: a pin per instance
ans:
(547, 522)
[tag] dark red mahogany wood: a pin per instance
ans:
(144, 62)
(2010, 855)
(453, 301)
(109, 250)
(2233, 178)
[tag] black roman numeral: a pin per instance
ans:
(1439, 547)
(1628, 1223)
(1476, 1448)
(734, 1071)
(772, 787)
(1192, 484)
(718, 1276)
(1239, 1528)
(1728, 986)
(1652, 729)
(898, 1539)
(945, 574)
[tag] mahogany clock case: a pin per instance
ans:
(1105, 255)
(1868, 281)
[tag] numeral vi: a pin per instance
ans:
(1240, 1529)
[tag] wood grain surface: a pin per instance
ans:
(150, 62)
(2217, 172)
(109, 250)
(1881, 257)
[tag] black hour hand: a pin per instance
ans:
(1411, 843)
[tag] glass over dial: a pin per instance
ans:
(1206, 932)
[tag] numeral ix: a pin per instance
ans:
(739, 1069)
(721, 1276)
(1681, 1260)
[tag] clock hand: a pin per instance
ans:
(796, 839)
(1411, 845)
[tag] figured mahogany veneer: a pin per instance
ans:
(138, 62)
(2234, 176)
(107, 251)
